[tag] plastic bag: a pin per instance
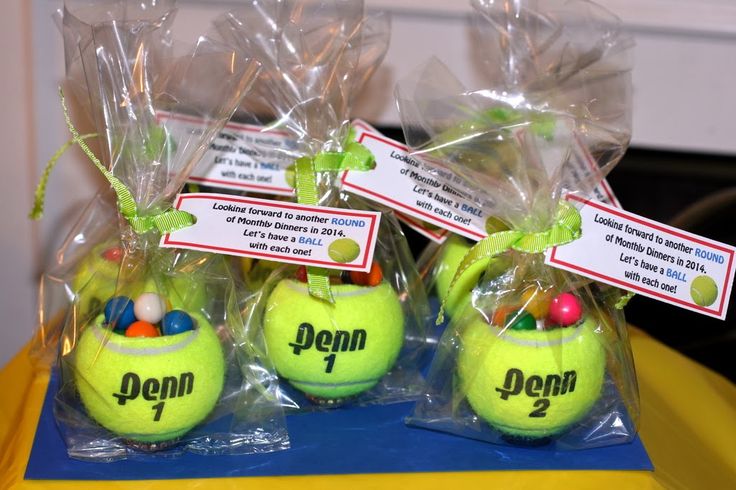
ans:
(533, 355)
(152, 348)
(366, 346)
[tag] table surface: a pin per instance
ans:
(688, 425)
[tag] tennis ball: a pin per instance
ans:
(333, 351)
(96, 277)
(531, 383)
(703, 291)
(256, 271)
(453, 251)
(343, 250)
(96, 281)
(149, 389)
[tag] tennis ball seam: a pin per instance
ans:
(167, 347)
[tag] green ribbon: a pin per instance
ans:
(624, 300)
(163, 221)
(566, 228)
(354, 157)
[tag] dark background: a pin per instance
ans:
(693, 192)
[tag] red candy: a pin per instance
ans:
(113, 254)
(301, 274)
(141, 329)
(565, 309)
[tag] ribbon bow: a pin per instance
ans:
(354, 157)
(163, 221)
(566, 228)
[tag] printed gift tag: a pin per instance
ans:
(285, 232)
(649, 258)
(427, 194)
(243, 157)
(430, 198)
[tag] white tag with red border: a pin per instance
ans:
(242, 157)
(273, 230)
(430, 198)
(649, 258)
(434, 233)
(427, 194)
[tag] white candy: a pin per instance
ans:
(149, 307)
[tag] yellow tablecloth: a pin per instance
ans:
(688, 426)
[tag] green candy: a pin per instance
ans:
(523, 321)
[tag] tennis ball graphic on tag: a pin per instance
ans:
(703, 291)
(333, 351)
(531, 384)
(343, 250)
(149, 389)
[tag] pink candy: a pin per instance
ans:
(565, 309)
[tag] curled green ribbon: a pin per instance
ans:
(163, 221)
(566, 228)
(354, 157)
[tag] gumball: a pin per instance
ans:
(370, 278)
(119, 312)
(522, 321)
(175, 322)
(113, 254)
(301, 274)
(141, 329)
(536, 301)
(565, 309)
(150, 307)
(501, 313)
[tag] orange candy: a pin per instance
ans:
(499, 316)
(370, 278)
(536, 301)
(141, 329)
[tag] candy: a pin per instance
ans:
(502, 312)
(141, 329)
(536, 301)
(370, 278)
(175, 322)
(119, 312)
(301, 274)
(150, 307)
(113, 254)
(522, 321)
(565, 309)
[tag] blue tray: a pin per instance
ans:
(357, 440)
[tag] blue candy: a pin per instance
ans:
(176, 321)
(119, 313)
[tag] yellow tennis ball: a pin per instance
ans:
(333, 351)
(453, 251)
(531, 383)
(96, 281)
(149, 389)
(96, 277)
